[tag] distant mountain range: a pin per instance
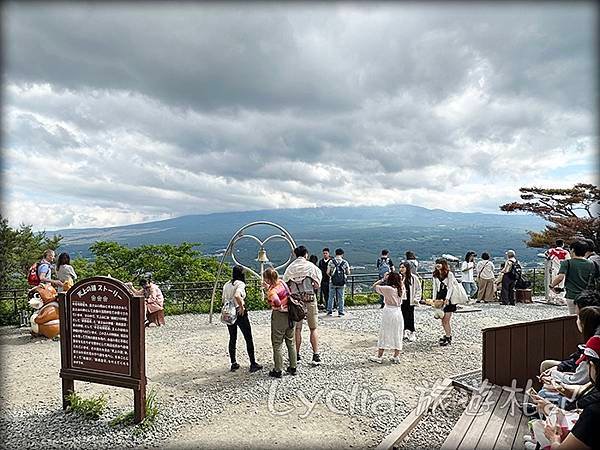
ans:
(361, 231)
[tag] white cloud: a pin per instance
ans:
(452, 108)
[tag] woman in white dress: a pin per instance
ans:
(392, 323)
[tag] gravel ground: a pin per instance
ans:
(356, 402)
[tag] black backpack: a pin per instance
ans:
(521, 282)
(516, 271)
(338, 278)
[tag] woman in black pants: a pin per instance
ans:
(411, 297)
(236, 289)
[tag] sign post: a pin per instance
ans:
(102, 338)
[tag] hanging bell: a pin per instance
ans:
(262, 256)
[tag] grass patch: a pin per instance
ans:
(370, 298)
(127, 419)
(88, 408)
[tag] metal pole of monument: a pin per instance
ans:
(285, 235)
(547, 280)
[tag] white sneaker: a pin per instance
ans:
(395, 360)
(412, 337)
(406, 334)
(530, 445)
(376, 359)
(528, 438)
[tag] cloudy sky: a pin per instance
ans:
(121, 113)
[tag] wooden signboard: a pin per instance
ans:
(102, 338)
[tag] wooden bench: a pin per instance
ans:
(489, 423)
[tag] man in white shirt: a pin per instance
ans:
(302, 275)
(466, 268)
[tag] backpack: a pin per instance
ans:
(33, 279)
(384, 267)
(338, 278)
(521, 282)
(594, 280)
(516, 270)
(296, 303)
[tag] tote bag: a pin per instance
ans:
(459, 295)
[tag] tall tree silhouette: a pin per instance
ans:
(571, 213)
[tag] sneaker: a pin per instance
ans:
(291, 370)
(316, 360)
(329, 313)
(412, 337)
(447, 341)
(298, 356)
(275, 373)
(341, 314)
(528, 438)
(381, 307)
(235, 366)
(442, 339)
(376, 359)
(255, 367)
(530, 445)
(406, 334)
(395, 360)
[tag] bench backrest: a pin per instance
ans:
(514, 352)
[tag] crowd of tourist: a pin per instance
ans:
(66, 276)
(310, 281)
(566, 409)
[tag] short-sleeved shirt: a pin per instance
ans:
(485, 269)
(278, 294)
(230, 289)
(343, 264)
(466, 269)
(45, 268)
(390, 295)
(586, 427)
(414, 265)
(577, 275)
(65, 272)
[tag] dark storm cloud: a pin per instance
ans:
(211, 106)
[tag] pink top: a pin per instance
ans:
(277, 296)
(154, 298)
(390, 295)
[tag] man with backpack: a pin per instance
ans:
(577, 273)
(510, 273)
(41, 273)
(302, 278)
(338, 269)
(384, 265)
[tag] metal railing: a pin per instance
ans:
(194, 296)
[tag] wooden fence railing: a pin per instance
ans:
(514, 352)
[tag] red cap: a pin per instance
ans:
(592, 349)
